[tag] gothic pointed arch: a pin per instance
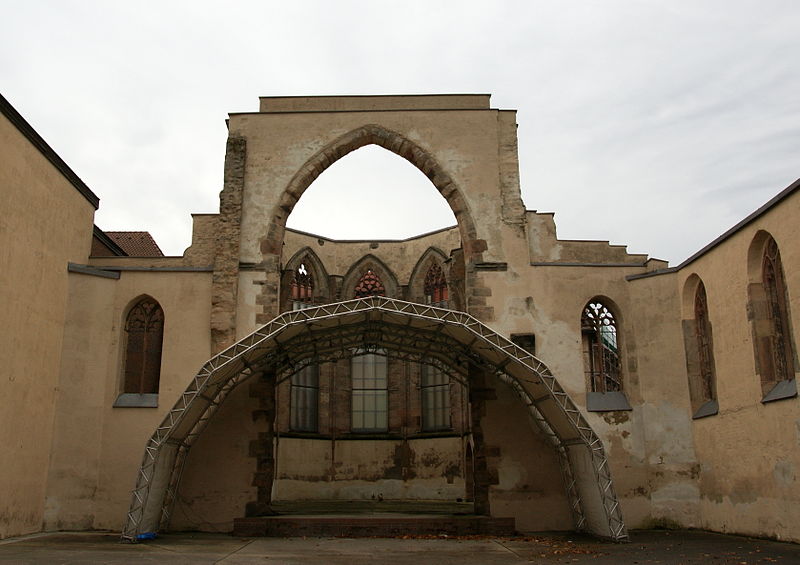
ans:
(380, 273)
(770, 317)
(603, 355)
(304, 278)
(371, 134)
(143, 339)
(416, 283)
(699, 349)
(271, 244)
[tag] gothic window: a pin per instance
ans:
(302, 288)
(435, 393)
(144, 334)
(370, 393)
(435, 287)
(304, 404)
(601, 348)
(699, 348)
(777, 358)
(369, 285)
(705, 352)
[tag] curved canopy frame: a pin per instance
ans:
(411, 331)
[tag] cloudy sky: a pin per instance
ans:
(652, 123)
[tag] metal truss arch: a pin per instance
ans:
(411, 331)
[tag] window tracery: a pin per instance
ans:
(779, 356)
(601, 353)
(435, 286)
(369, 284)
(705, 351)
(144, 329)
(302, 288)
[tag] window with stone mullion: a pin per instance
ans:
(304, 403)
(435, 395)
(370, 393)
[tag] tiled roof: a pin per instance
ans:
(136, 243)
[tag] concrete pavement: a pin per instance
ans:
(664, 547)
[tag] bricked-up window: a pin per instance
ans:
(705, 352)
(777, 358)
(370, 393)
(302, 288)
(435, 393)
(304, 408)
(435, 287)
(369, 285)
(144, 335)
(601, 349)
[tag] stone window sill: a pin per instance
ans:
(781, 390)
(607, 402)
(709, 408)
(133, 400)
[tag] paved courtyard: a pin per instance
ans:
(665, 547)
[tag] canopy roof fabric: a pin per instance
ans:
(446, 338)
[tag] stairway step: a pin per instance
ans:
(371, 526)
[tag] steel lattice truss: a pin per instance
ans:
(447, 339)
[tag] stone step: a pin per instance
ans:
(361, 506)
(373, 525)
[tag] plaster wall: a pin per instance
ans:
(94, 491)
(528, 483)
(363, 469)
(670, 484)
(749, 452)
(218, 473)
(45, 224)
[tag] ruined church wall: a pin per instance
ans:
(543, 291)
(46, 223)
(272, 151)
(748, 453)
(97, 448)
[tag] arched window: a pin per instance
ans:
(304, 389)
(601, 356)
(144, 334)
(302, 288)
(435, 393)
(601, 350)
(704, 348)
(699, 347)
(369, 285)
(772, 328)
(370, 404)
(435, 286)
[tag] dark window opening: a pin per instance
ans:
(144, 329)
(435, 393)
(370, 407)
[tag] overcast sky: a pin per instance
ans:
(654, 124)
